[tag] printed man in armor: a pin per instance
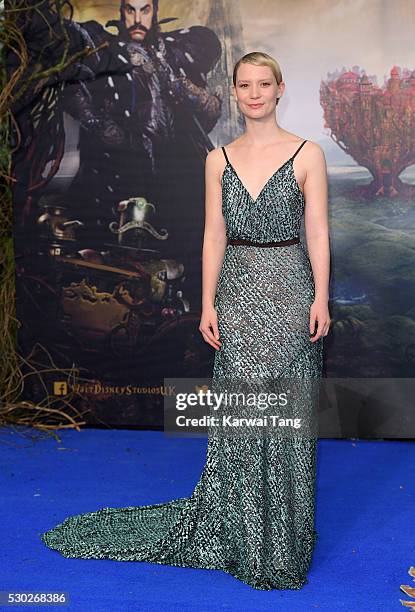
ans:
(144, 129)
(144, 112)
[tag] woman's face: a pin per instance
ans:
(256, 90)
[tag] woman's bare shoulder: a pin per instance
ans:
(214, 154)
(215, 163)
(215, 158)
(218, 152)
(313, 146)
(314, 150)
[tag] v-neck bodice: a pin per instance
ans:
(274, 215)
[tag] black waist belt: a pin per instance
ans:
(243, 241)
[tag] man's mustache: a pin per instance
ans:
(137, 27)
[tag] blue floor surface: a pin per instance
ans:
(365, 521)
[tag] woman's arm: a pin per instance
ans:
(317, 235)
(214, 245)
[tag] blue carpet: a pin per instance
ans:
(365, 511)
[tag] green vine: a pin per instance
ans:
(46, 414)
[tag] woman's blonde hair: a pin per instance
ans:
(258, 58)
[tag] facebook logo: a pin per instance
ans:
(60, 388)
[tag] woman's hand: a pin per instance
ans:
(209, 327)
(319, 313)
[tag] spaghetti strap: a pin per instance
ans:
(226, 157)
(303, 143)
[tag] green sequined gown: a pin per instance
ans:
(251, 513)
